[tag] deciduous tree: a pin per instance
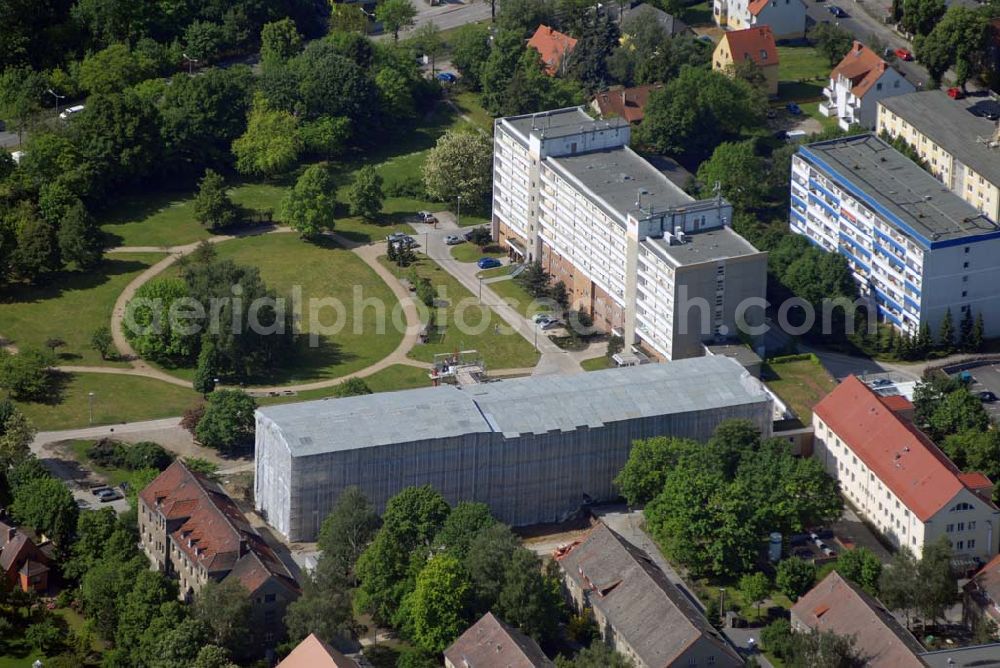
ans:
(440, 603)
(395, 15)
(464, 522)
(735, 169)
(47, 505)
(460, 165)
(225, 608)
(228, 422)
(212, 206)
(754, 587)
(795, 577)
(279, 41)
(309, 206)
(366, 196)
(26, 374)
(80, 238)
(862, 566)
(648, 464)
(347, 531)
(271, 143)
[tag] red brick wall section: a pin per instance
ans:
(584, 295)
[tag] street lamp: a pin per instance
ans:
(90, 401)
(480, 289)
(57, 96)
(191, 61)
(367, 16)
(458, 212)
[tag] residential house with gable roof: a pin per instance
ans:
(489, 643)
(755, 45)
(982, 594)
(856, 85)
(639, 611)
(22, 563)
(621, 102)
(839, 606)
(314, 653)
(191, 530)
(553, 46)
(898, 479)
(787, 18)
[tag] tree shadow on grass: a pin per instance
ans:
(60, 282)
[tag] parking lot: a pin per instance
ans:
(986, 378)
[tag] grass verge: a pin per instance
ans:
(800, 384)
(464, 324)
(117, 399)
(469, 252)
(70, 306)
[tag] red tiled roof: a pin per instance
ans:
(212, 529)
(986, 583)
(975, 480)
(862, 66)
(18, 551)
(756, 43)
(838, 605)
(314, 653)
(756, 5)
(553, 47)
(627, 103)
(902, 457)
(897, 403)
(489, 643)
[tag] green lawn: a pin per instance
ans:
(699, 14)
(323, 271)
(518, 298)
(390, 379)
(70, 306)
(112, 476)
(811, 109)
(802, 62)
(485, 331)
(800, 384)
(167, 219)
(117, 399)
(468, 102)
(471, 253)
(495, 271)
(597, 363)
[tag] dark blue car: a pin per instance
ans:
(488, 262)
(793, 109)
(446, 77)
(837, 11)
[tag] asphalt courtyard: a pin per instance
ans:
(987, 378)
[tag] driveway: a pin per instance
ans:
(553, 358)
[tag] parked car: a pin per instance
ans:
(837, 11)
(402, 240)
(828, 552)
(447, 77)
(821, 532)
(955, 93)
(793, 109)
(802, 553)
(798, 539)
(488, 263)
(881, 382)
(453, 240)
(70, 111)
(705, 38)
(903, 54)
(97, 491)
(106, 495)
(551, 324)
(539, 318)
(986, 396)
(427, 217)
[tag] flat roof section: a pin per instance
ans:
(616, 176)
(867, 166)
(711, 245)
(560, 122)
(534, 405)
(954, 126)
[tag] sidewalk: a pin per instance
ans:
(554, 360)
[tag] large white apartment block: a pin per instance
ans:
(897, 479)
(958, 139)
(915, 248)
(787, 18)
(857, 84)
(642, 257)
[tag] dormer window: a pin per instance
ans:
(763, 54)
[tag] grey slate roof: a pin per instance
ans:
(616, 176)
(714, 244)
(902, 187)
(646, 12)
(977, 656)
(951, 125)
(519, 406)
(654, 617)
(559, 122)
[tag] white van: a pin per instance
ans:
(70, 112)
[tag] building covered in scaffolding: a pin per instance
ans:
(534, 449)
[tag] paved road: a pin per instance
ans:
(449, 14)
(862, 25)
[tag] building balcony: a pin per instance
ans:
(828, 109)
